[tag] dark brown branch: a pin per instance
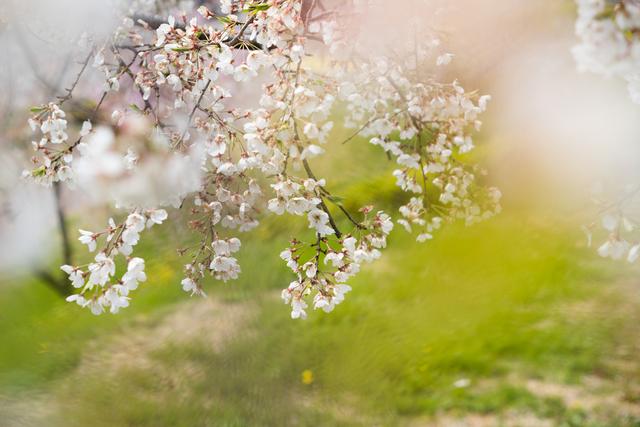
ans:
(236, 39)
(344, 211)
(236, 42)
(62, 224)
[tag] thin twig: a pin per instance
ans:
(70, 90)
(235, 40)
(193, 111)
(323, 206)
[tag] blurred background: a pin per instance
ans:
(512, 322)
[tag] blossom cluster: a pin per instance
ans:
(610, 45)
(425, 125)
(98, 288)
(609, 32)
(220, 113)
(322, 267)
(617, 224)
(55, 153)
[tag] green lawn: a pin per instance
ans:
(490, 308)
(489, 304)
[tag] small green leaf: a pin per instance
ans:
(608, 13)
(225, 20)
(628, 34)
(41, 171)
(259, 7)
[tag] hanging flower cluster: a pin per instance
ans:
(610, 40)
(617, 220)
(99, 289)
(322, 267)
(220, 112)
(610, 45)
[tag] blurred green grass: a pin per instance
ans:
(480, 304)
(476, 303)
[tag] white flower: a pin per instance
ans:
(336, 258)
(311, 151)
(86, 128)
(112, 84)
(226, 268)
(162, 32)
(341, 276)
(175, 82)
(79, 299)
(423, 237)
(276, 206)
(614, 249)
(243, 73)
(286, 296)
(135, 274)
(349, 244)
(297, 309)
(319, 220)
(88, 238)
(410, 161)
(323, 302)
(287, 256)
(135, 222)
(226, 247)
(156, 216)
(101, 270)
(75, 275)
(98, 59)
(310, 269)
(385, 222)
(96, 306)
(188, 285)
(339, 292)
(444, 59)
(225, 6)
(298, 205)
(130, 237)
(115, 299)
(225, 58)
(610, 222)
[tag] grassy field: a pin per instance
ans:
(512, 322)
(504, 322)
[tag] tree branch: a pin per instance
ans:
(62, 225)
(323, 206)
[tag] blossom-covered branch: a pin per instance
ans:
(609, 32)
(222, 113)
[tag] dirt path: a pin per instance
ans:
(206, 321)
(610, 398)
(603, 397)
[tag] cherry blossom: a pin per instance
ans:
(220, 115)
(610, 44)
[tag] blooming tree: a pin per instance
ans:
(610, 43)
(609, 31)
(219, 112)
